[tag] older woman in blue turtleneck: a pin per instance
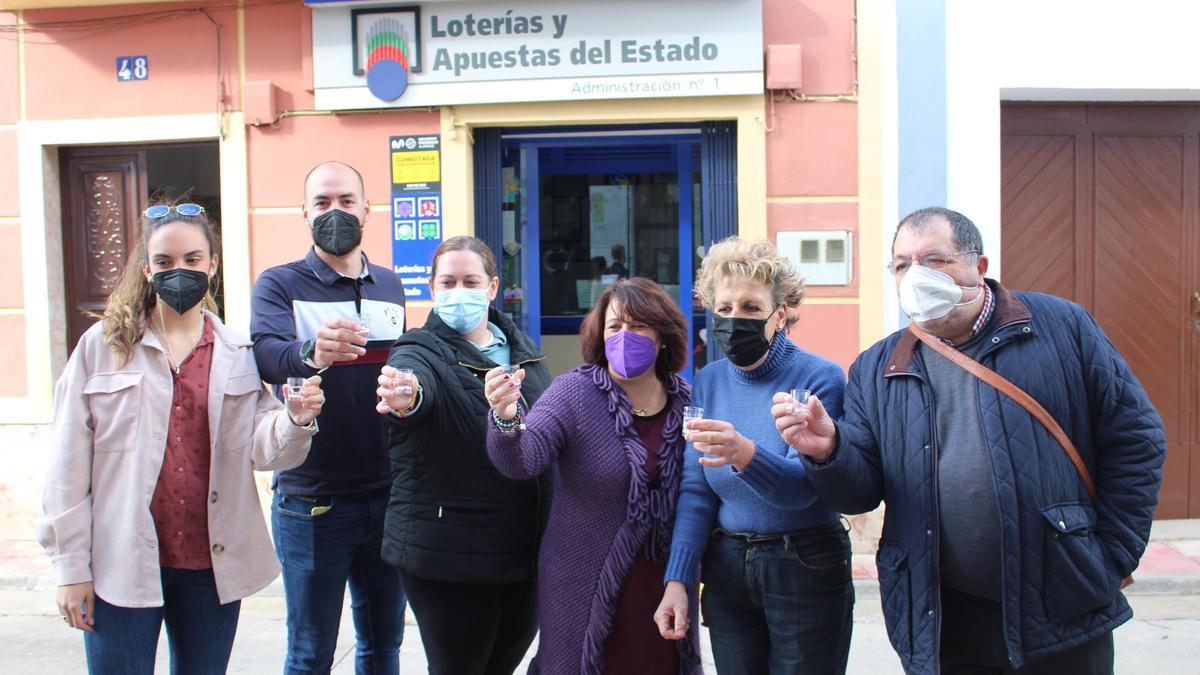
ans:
(774, 560)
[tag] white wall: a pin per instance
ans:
(1052, 50)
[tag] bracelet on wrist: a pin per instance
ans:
(508, 426)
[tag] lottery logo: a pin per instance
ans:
(387, 50)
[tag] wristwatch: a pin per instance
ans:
(306, 354)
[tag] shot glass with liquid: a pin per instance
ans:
(293, 399)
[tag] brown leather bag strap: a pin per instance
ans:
(1015, 393)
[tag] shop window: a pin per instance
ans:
(577, 213)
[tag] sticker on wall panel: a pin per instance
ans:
(133, 68)
(430, 229)
(405, 230)
(404, 207)
(430, 207)
(416, 164)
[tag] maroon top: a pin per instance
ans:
(634, 644)
(180, 503)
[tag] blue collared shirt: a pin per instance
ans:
(497, 350)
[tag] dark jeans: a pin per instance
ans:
(473, 629)
(200, 629)
(320, 554)
(973, 643)
(782, 605)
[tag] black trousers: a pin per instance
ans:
(473, 629)
(973, 644)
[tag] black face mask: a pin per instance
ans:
(336, 232)
(181, 288)
(742, 340)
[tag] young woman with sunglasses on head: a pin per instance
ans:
(150, 512)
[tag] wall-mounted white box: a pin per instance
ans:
(783, 66)
(823, 257)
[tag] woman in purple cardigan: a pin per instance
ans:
(608, 434)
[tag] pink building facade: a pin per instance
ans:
(229, 109)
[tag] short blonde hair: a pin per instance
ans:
(755, 260)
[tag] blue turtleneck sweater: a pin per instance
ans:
(772, 496)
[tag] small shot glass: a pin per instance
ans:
(799, 399)
(690, 413)
(293, 388)
(293, 399)
(364, 324)
(403, 379)
(511, 370)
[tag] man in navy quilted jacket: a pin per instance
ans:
(994, 556)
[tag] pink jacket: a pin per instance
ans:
(110, 430)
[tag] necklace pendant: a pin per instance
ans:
(640, 412)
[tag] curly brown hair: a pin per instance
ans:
(642, 301)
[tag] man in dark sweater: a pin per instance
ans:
(995, 556)
(333, 312)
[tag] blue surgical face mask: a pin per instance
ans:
(461, 308)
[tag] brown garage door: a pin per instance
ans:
(1100, 204)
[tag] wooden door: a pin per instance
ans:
(1100, 204)
(101, 191)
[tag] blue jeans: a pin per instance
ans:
(320, 553)
(781, 604)
(200, 629)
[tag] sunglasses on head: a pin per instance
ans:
(161, 210)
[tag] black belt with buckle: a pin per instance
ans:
(787, 538)
(750, 537)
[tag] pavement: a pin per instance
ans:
(1164, 636)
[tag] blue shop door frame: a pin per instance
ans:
(511, 209)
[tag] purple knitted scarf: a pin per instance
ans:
(650, 515)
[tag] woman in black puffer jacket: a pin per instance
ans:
(463, 536)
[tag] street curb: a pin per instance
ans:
(1164, 584)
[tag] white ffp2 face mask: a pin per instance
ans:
(926, 295)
